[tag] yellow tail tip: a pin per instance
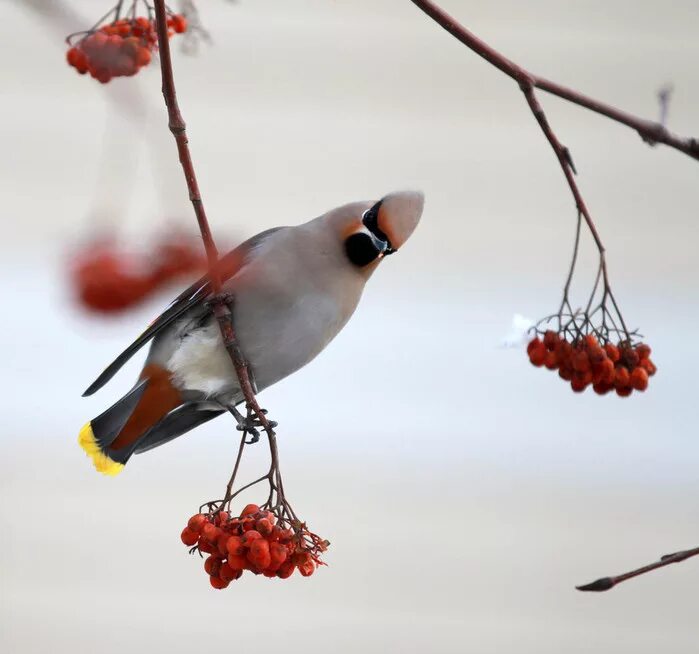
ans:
(101, 461)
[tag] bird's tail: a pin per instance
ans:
(150, 414)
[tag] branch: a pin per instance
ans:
(527, 84)
(605, 583)
(219, 301)
(650, 131)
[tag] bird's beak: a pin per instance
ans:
(394, 218)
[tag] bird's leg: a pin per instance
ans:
(249, 423)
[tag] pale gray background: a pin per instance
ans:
(465, 492)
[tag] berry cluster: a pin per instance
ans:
(120, 48)
(107, 280)
(254, 541)
(585, 361)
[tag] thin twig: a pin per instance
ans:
(566, 289)
(528, 83)
(220, 306)
(179, 130)
(605, 583)
(664, 95)
(231, 481)
(650, 131)
(220, 302)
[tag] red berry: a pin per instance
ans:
(286, 570)
(131, 46)
(222, 543)
(643, 351)
(535, 342)
(73, 56)
(264, 526)
(250, 509)
(622, 377)
(211, 533)
(590, 341)
(229, 574)
(581, 362)
(237, 562)
(608, 371)
(189, 537)
(624, 391)
(630, 358)
(537, 355)
(218, 583)
(103, 76)
(259, 554)
(612, 352)
(143, 56)
(235, 546)
(179, 23)
(579, 382)
(250, 536)
(550, 360)
(197, 522)
(124, 65)
(597, 355)
(550, 339)
(639, 379)
(300, 558)
(566, 372)
(602, 388)
(286, 535)
(98, 40)
(307, 569)
(563, 351)
(278, 554)
(205, 546)
(212, 564)
(268, 515)
(113, 44)
(221, 518)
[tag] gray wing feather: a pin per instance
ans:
(191, 297)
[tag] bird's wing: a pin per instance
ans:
(191, 297)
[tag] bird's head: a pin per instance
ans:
(370, 231)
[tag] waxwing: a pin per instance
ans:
(292, 290)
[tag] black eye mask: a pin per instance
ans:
(362, 249)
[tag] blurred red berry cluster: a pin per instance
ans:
(106, 279)
(254, 541)
(120, 48)
(586, 361)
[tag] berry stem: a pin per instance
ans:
(565, 302)
(231, 481)
(651, 132)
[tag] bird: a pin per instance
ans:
(291, 291)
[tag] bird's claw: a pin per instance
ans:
(252, 425)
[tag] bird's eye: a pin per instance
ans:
(361, 249)
(371, 222)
